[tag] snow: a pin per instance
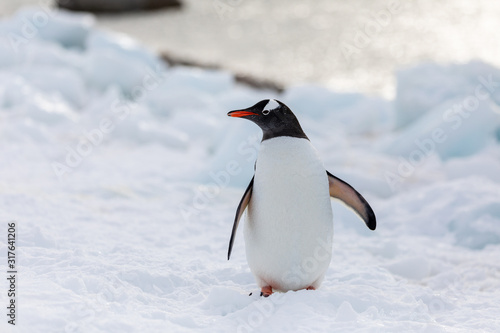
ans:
(124, 175)
(451, 130)
(417, 94)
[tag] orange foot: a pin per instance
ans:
(266, 291)
(310, 288)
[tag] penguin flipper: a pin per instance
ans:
(241, 208)
(339, 189)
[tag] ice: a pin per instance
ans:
(487, 164)
(7, 54)
(325, 105)
(204, 81)
(447, 132)
(240, 146)
(122, 44)
(48, 80)
(107, 67)
(130, 231)
(422, 88)
(61, 27)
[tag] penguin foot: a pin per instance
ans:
(266, 291)
(310, 288)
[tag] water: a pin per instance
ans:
(355, 46)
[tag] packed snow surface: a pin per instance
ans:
(123, 176)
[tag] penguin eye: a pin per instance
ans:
(265, 112)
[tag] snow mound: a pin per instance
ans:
(422, 88)
(448, 132)
(61, 27)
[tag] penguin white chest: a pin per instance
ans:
(289, 228)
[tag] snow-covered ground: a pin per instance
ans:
(123, 176)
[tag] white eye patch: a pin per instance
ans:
(271, 105)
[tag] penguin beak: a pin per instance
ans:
(241, 113)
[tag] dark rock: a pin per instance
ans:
(239, 77)
(112, 6)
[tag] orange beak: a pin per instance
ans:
(241, 114)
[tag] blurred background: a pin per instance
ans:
(349, 47)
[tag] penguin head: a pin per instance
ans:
(273, 117)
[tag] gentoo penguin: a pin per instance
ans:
(289, 223)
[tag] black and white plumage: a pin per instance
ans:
(289, 224)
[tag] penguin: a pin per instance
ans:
(288, 228)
